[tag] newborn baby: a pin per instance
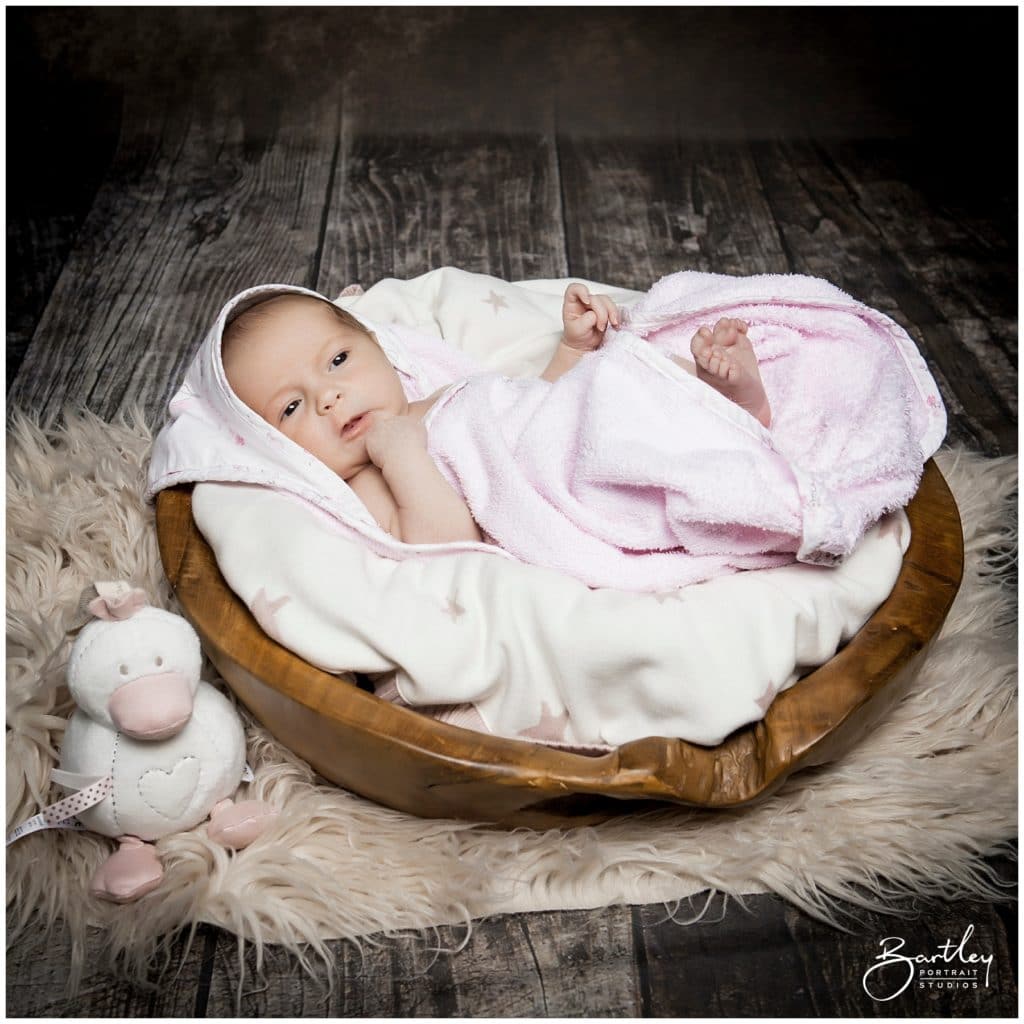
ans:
(715, 424)
(312, 371)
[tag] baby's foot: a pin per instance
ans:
(725, 359)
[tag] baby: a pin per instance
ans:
(316, 374)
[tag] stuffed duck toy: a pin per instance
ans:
(154, 748)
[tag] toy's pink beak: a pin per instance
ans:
(152, 707)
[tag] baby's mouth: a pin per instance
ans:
(355, 426)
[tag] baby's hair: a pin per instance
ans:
(260, 312)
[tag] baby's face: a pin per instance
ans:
(317, 380)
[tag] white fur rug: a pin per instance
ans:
(913, 809)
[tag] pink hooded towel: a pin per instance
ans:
(627, 472)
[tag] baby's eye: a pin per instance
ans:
(289, 409)
(339, 359)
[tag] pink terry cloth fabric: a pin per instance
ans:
(628, 472)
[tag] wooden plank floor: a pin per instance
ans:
(213, 151)
(767, 960)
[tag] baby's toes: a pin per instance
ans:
(718, 364)
(700, 346)
(727, 336)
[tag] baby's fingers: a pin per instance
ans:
(578, 328)
(576, 293)
(608, 311)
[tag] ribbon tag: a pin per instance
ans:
(37, 824)
(247, 775)
(117, 600)
(62, 813)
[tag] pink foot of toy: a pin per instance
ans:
(237, 825)
(129, 873)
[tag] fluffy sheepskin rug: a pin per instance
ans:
(912, 809)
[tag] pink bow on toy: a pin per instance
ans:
(117, 600)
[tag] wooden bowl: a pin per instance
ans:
(411, 762)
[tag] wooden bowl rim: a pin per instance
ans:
(652, 767)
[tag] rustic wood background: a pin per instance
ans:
(162, 159)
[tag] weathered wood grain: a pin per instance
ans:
(402, 206)
(201, 201)
(38, 971)
(684, 965)
(779, 962)
(766, 959)
(636, 211)
(37, 247)
(967, 269)
(832, 960)
(977, 195)
(570, 963)
(217, 162)
(633, 211)
(739, 236)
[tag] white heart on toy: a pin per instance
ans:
(170, 792)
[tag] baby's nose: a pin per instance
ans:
(327, 400)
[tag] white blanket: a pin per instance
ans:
(537, 654)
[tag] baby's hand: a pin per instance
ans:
(585, 317)
(391, 438)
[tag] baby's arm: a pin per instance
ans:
(427, 510)
(585, 318)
